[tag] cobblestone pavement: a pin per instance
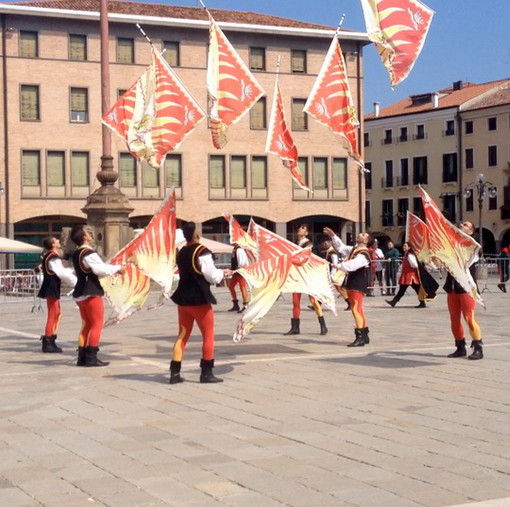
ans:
(300, 420)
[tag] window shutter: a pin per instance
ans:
(80, 168)
(29, 102)
(238, 172)
(259, 172)
(31, 165)
(217, 171)
(77, 47)
(127, 170)
(173, 171)
(55, 167)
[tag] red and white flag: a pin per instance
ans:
(155, 114)
(279, 140)
(398, 28)
(330, 102)
(232, 88)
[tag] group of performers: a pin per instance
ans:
(194, 299)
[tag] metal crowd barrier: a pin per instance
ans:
(18, 286)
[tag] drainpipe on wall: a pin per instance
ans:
(460, 159)
(6, 130)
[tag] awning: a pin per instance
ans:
(13, 246)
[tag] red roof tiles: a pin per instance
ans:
(172, 11)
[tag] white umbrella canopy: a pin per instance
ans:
(214, 246)
(13, 246)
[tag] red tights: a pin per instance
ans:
(203, 315)
(237, 279)
(356, 299)
(54, 316)
(463, 305)
(92, 317)
(296, 305)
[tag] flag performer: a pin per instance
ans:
(194, 301)
(88, 295)
(356, 265)
(239, 260)
(54, 273)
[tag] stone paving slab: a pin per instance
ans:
(300, 420)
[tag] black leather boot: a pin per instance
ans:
(294, 327)
(207, 377)
(235, 306)
(391, 302)
(461, 349)
(348, 307)
(48, 344)
(364, 334)
(91, 358)
(322, 323)
(175, 373)
(421, 305)
(82, 354)
(477, 345)
(360, 340)
(241, 310)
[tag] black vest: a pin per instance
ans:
(234, 264)
(88, 283)
(193, 289)
(452, 286)
(358, 280)
(51, 282)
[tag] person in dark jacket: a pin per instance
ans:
(194, 301)
(88, 295)
(54, 273)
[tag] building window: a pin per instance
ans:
(449, 167)
(127, 170)
(172, 53)
(388, 135)
(28, 44)
(492, 123)
(55, 168)
(403, 134)
(387, 210)
(320, 173)
(257, 58)
(404, 172)
(469, 155)
(31, 168)
(420, 132)
(258, 114)
(368, 175)
(468, 127)
(450, 206)
(388, 174)
(298, 61)
(217, 171)
(492, 156)
(366, 139)
(403, 207)
(150, 176)
(173, 171)
(259, 172)
(368, 214)
(80, 168)
(305, 171)
(125, 50)
(493, 198)
(420, 172)
(238, 172)
(339, 173)
(79, 105)
(77, 47)
(470, 201)
(299, 117)
(418, 206)
(29, 103)
(450, 128)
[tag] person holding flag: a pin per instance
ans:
(357, 266)
(239, 260)
(461, 304)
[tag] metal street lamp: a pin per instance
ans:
(483, 188)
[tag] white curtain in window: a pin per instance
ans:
(55, 168)
(80, 168)
(31, 165)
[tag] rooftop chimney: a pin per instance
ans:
(377, 109)
(435, 100)
(457, 85)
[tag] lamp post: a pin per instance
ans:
(2, 192)
(483, 187)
